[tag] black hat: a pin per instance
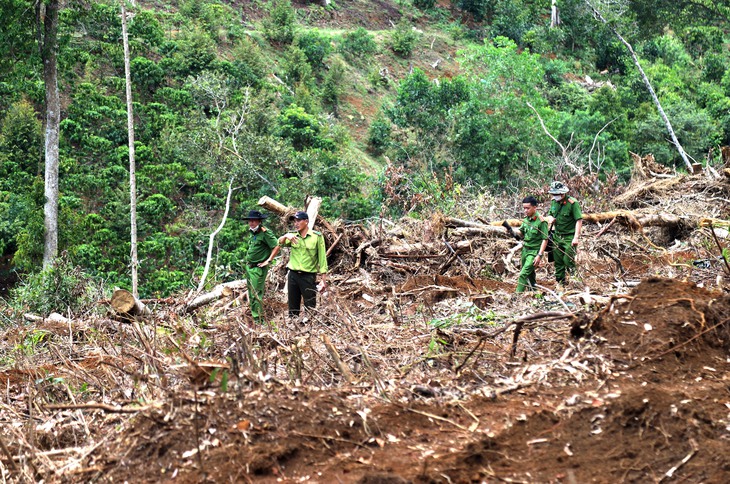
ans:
(300, 216)
(255, 215)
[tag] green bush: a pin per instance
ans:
(280, 26)
(358, 43)
(61, 288)
(296, 67)
(332, 87)
(424, 4)
(316, 47)
(404, 38)
(379, 135)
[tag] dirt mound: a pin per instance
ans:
(636, 437)
(666, 325)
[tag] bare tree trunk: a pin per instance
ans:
(554, 14)
(49, 54)
(132, 164)
(654, 97)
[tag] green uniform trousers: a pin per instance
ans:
(255, 282)
(526, 281)
(564, 254)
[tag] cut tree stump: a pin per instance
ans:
(124, 302)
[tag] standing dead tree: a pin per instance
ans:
(597, 14)
(570, 156)
(209, 257)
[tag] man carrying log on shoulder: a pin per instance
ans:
(534, 232)
(307, 259)
(566, 217)
(262, 248)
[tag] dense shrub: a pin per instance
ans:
(358, 43)
(280, 26)
(316, 46)
(403, 39)
(62, 288)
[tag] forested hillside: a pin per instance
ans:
(381, 108)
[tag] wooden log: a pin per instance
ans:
(283, 211)
(218, 292)
(313, 211)
(273, 206)
(124, 302)
(423, 248)
(53, 317)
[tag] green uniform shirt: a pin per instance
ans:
(534, 232)
(308, 254)
(260, 245)
(566, 214)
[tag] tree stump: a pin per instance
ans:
(124, 302)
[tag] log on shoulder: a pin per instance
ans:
(124, 302)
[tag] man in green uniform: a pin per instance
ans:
(262, 248)
(534, 230)
(567, 219)
(307, 259)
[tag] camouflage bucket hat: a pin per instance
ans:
(557, 188)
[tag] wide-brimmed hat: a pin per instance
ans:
(255, 215)
(558, 188)
(299, 216)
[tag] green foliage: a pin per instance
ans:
(404, 38)
(249, 64)
(424, 4)
(316, 46)
(280, 26)
(702, 40)
(358, 44)
(669, 50)
(511, 19)
(20, 147)
(696, 130)
(332, 85)
(379, 135)
(144, 26)
(61, 288)
(478, 8)
(302, 129)
(296, 67)
(146, 75)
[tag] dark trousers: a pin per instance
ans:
(302, 285)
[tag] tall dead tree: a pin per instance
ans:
(132, 164)
(47, 29)
(597, 14)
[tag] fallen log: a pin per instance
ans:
(420, 249)
(53, 317)
(124, 302)
(218, 292)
